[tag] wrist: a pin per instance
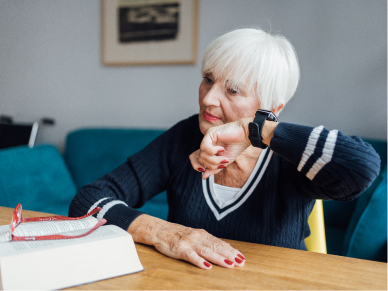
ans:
(268, 131)
(144, 229)
(245, 125)
(266, 134)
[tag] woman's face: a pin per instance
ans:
(219, 105)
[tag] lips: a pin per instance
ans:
(210, 117)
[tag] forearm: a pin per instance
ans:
(340, 166)
(318, 150)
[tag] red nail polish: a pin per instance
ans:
(207, 264)
(224, 162)
(220, 151)
(238, 260)
(201, 170)
(228, 262)
(221, 166)
(241, 257)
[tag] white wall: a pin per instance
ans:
(50, 65)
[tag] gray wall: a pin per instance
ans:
(50, 65)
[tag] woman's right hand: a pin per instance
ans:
(196, 246)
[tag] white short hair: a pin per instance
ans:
(262, 63)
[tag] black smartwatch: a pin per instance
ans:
(256, 127)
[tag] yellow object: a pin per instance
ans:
(316, 242)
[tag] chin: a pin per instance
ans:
(204, 125)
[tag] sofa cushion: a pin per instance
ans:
(91, 153)
(36, 177)
(366, 236)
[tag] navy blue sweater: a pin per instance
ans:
(303, 164)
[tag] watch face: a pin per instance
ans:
(270, 115)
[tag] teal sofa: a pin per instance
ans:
(358, 228)
(91, 153)
(44, 180)
(36, 177)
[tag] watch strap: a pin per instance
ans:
(255, 128)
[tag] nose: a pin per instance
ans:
(214, 95)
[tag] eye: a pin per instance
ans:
(208, 80)
(233, 91)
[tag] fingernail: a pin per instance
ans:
(201, 170)
(207, 264)
(220, 151)
(238, 260)
(228, 262)
(221, 166)
(224, 162)
(241, 257)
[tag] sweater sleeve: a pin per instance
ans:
(132, 184)
(329, 164)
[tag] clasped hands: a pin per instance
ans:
(222, 144)
(220, 147)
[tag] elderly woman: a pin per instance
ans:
(222, 180)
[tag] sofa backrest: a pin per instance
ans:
(37, 178)
(91, 153)
(362, 219)
(339, 213)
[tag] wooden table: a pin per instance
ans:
(266, 267)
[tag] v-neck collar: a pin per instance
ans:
(220, 210)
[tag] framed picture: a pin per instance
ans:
(149, 32)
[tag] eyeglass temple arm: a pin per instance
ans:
(59, 236)
(51, 218)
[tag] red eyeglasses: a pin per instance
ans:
(17, 219)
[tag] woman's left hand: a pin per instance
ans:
(221, 146)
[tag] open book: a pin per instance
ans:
(107, 252)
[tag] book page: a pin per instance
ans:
(13, 247)
(47, 227)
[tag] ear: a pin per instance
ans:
(276, 110)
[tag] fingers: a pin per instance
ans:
(192, 257)
(208, 173)
(197, 246)
(202, 257)
(212, 162)
(207, 164)
(215, 258)
(218, 251)
(227, 252)
(208, 146)
(195, 163)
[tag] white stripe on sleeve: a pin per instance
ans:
(327, 154)
(96, 204)
(107, 206)
(310, 147)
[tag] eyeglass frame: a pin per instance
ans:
(17, 220)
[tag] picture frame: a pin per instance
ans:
(149, 32)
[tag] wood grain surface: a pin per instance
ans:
(266, 267)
